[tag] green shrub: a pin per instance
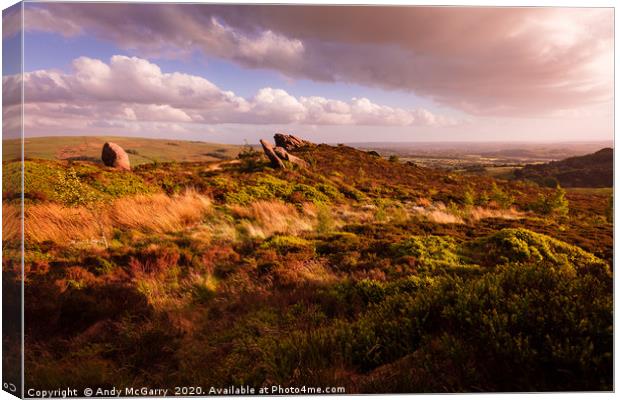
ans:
(118, 184)
(468, 198)
(286, 244)
(204, 288)
(429, 251)
(338, 242)
(524, 246)
(325, 222)
(310, 193)
(263, 187)
(540, 320)
(70, 190)
(351, 192)
(552, 203)
(251, 159)
(499, 196)
(330, 191)
(71, 184)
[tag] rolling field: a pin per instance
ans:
(141, 150)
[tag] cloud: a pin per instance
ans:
(131, 90)
(485, 61)
(12, 20)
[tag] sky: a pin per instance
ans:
(231, 73)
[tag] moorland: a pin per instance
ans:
(360, 271)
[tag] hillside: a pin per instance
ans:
(592, 170)
(354, 271)
(141, 150)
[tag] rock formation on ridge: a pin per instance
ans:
(290, 142)
(280, 153)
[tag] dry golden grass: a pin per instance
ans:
(157, 213)
(53, 222)
(11, 222)
(296, 273)
(478, 213)
(443, 217)
(438, 213)
(265, 218)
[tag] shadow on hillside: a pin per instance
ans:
(85, 158)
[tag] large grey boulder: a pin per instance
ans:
(114, 156)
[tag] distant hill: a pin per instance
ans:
(591, 170)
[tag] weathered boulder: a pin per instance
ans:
(290, 142)
(285, 155)
(281, 153)
(114, 156)
(276, 162)
(284, 143)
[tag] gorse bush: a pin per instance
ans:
(72, 192)
(428, 252)
(77, 182)
(524, 246)
(269, 187)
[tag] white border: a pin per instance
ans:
(483, 3)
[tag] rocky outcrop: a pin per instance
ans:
(290, 142)
(276, 162)
(114, 156)
(285, 155)
(279, 154)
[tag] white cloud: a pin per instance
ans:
(129, 90)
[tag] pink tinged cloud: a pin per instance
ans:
(484, 61)
(131, 90)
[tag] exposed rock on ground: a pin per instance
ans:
(285, 155)
(114, 156)
(290, 142)
(276, 162)
(277, 155)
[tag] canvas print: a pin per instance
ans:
(204, 199)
